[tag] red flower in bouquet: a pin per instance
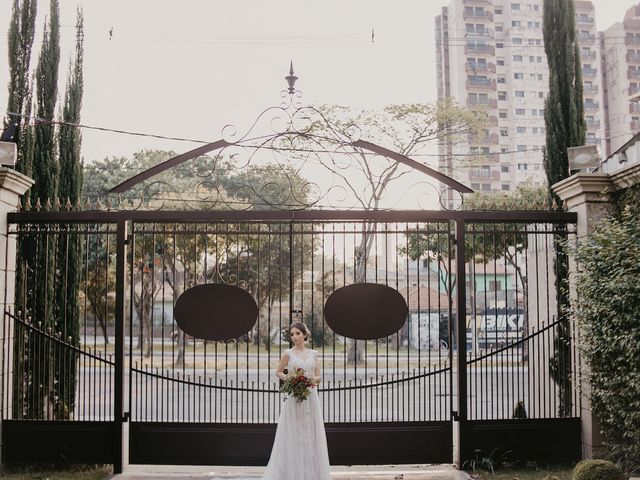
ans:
(297, 384)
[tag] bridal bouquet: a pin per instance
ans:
(297, 384)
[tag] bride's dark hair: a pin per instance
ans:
(302, 327)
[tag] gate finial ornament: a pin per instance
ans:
(291, 80)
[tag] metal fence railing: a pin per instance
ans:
(62, 362)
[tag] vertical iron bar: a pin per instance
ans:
(118, 411)
(461, 309)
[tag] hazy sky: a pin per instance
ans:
(187, 68)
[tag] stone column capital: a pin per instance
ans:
(584, 188)
(13, 185)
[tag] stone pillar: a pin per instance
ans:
(586, 194)
(12, 186)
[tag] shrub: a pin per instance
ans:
(608, 312)
(520, 411)
(597, 470)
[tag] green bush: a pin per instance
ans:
(597, 470)
(608, 312)
(520, 411)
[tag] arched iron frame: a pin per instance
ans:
(296, 129)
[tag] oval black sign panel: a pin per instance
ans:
(366, 311)
(215, 311)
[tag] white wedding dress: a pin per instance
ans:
(300, 448)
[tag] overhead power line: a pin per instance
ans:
(41, 121)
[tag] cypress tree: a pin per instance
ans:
(70, 139)
(69, 245)
(41, 299)
(20, 40)
(45, 165)
(564, 110)
(565, 127)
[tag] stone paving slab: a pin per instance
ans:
(355, 472)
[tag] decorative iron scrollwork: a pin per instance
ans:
(291, 158)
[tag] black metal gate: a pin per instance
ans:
(473, 355)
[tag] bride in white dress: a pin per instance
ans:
(300, 448)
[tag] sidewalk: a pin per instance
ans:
(356, 472)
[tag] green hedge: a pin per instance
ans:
(597, 470)
(608, 310)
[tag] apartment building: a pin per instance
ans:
(620, 44)
(592, 76)
(490, 55)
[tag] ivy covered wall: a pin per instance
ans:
(608, 310)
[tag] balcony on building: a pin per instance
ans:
(589, 71)
(633, 57)
(483, 173)
(479, 48)
(631, 39)
(633, 73)
(584, 19)
(471, 13)
(491, 138)
(475, 68)
(590, 89)
(477, 2)
(593, 123)
(585, 37)
(635, 125)
(481, 82)
(474, 102)
(634, 107)
(591, 106)
(479, 34)
(588, 55)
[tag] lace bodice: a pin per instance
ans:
(305, 360)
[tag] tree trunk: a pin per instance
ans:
(179, 362)
(355, 354)
(143, 304)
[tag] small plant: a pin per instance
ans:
(496, 458)
(520, 411)
(597, 470)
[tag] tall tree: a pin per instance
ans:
(69, 135)
(41, 302)
(69, 245)
(45, 164)
(20, 43)
(488, 243)
(564, 110)
(565, 127)
(258, 262)
(405, 129)
(20, 38)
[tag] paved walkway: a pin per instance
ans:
(356, 472)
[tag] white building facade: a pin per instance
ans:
(621, 65)
(490, 54)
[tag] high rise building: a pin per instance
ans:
(621, 65)
(490, 54)
(592, 80)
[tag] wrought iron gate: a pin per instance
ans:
(384, 401)
(476, 351)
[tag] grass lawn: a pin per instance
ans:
(520, 473)
(78, 473)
